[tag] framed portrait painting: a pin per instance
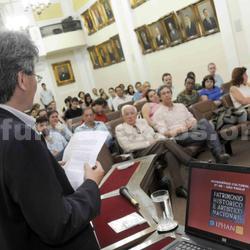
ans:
(63, 73)
(88, 22)
(103, 55)
(189, 23)
(136, 3)
(158, 35)
(111, 51)
(98, 15)
(94, 57)
(171, 25)
(144, 39)
(206, 12)
(118, 48)
(106, 4)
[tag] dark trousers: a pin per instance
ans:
(203, 133)
(160, 148)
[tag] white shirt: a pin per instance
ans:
(245, 91)
(46, 96)
(120, 100)
(28, 120)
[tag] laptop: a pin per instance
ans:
(218, 208)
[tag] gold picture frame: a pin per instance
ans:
(171, 26)
(208, 17)
(88, 22)
(94, 57)
(136, 3)
(189, 23)
(98, 15)
(115, 40)
(107, 9)
(103, 54)
(63, 73)
(158, 35)
(144, 39)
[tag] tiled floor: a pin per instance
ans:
(241, 156)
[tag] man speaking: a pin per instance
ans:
(38, 207)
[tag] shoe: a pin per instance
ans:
(222, 158)
(181, 192)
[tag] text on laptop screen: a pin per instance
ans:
(219, 203)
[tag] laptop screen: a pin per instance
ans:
(219, 203)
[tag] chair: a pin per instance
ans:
(139, 105)
(125, 103)
(113, 115)
(74, 123)
(227, 101)
(226, 87)
(203, 109)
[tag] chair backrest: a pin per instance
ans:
(203, 109)
(125, 103)
(139, 105)
(74, 123)
(113, 115)
(226, 87)
(227, 101)
(112, 125)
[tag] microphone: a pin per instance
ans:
(125, 193)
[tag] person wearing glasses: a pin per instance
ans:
(39, 208)
(137, 137)
(46, 96)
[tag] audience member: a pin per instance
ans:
(42, 113)
(240, 91)
(67, 102)
(33, 113)
(130, 90)
(56, 125)
(145, 87)
(88, 100)
(120, 97)
(56, 143)
(111, 98)
(91, 125)
(81, 96)
(95, 93)
(101, 91)
(167, 80)
(212, 71)
(151, 106)
(98, 107)
(138, 94)
(122, 86)
(209, 91)
(189, 96)
(51, 106)
(175, 121)
(104, 96)
(137, 137)
(74, 111)
(46, 95)
(197, 86)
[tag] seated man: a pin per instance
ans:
(98, 107)
(74, 110)
(120, 97)
(189, 96)
(175, 121)
(91, 125)
(136, 136)
(56, 143)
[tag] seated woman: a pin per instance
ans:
(151, 106)
(88, 100)
(240, 91)
(209, 91)
(56, 125)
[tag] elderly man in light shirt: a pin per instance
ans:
(136, 136)
(120, 98)
(175, 121)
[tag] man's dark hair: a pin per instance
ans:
(41, 119)
(189, 77)
(68, 99)
(137, 83)
(88, 108)
(191, 73)
(118, 87)
(74, 99)
(43, 84)
(161, 88)
(111, 89)
(99, 101)
(17, 53)
(165, 74)
(208, 77)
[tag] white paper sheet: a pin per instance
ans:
(82, 148)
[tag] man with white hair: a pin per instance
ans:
(136, 136)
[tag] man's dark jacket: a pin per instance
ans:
(38, 207)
